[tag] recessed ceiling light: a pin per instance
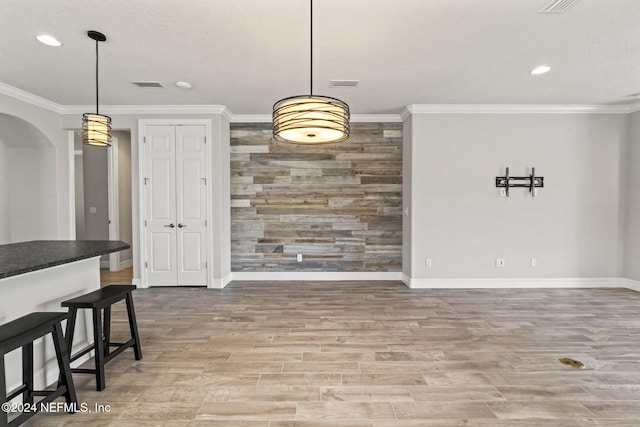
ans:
(540, 69)
(184, 85)
(48, 40)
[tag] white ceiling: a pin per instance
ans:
(247, 54)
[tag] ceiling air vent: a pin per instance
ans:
(558, 6)
(148, 84)
(344, 83)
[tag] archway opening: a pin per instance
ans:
(28, 192)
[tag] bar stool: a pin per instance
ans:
(98, 301)
(23, 332)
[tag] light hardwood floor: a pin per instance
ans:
(320, 354)
(122, 277)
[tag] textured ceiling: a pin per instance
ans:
(247, 54)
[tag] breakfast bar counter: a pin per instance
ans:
(25, 257)
(39, 275)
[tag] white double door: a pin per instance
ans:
(175, 205)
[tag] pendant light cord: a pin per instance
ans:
(311, 50)
(97, 103)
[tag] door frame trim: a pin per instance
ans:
(142, 124)
(113, 194)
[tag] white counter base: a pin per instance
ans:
(44, 290)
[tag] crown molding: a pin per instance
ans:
(514, 109)
(251, 118)
(406, 112)
(29, 98)
(150, 109)
(355, 118)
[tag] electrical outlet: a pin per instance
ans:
(499, 262)
(299, 258)
(503, 192)
(534, 262)
(428, 263)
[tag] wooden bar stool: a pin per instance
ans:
(23, 332)
(98, 301)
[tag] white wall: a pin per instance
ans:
(407, 188)
(28, 193)
(79, 195)
(95, 193)
(41, 115)
(221, 198)
(32, 194)
(632, 254)
(124, 192)
(5, 223)
(459, 220)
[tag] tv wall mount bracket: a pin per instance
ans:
(531, 182)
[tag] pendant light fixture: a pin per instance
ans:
(310, 119)
(96, 128)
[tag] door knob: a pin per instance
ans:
(170, 225)
(181, 225)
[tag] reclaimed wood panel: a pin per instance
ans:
(339, 205)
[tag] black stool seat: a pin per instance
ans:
(100, 298)
(23, 332)
(27, 328)
(100, 301)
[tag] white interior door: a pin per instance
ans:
(191, 194)
(175, 202)
(160, 204)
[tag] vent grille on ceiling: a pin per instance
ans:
(148, 84)
(344, 83)
(558, 6)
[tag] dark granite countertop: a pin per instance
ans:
(24, 257)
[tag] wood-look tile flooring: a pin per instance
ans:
(356, 354)
(121, 277)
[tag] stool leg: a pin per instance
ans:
(133, 325)
(63, 364)
(107, 329)
(68, 337)
(4, 416)
(98, 347)
(27, 372)
(71, 328)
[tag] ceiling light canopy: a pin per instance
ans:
(49, 40)
(310, 119)
(96, 128)
(540, 69)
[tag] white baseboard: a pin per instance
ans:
(437, 283)
(227, 279)
(502, 283)
(315, 276)
(634, 285)
(125, 264)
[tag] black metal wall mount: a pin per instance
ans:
(531, 182)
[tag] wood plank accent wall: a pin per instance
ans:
(339, 205)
